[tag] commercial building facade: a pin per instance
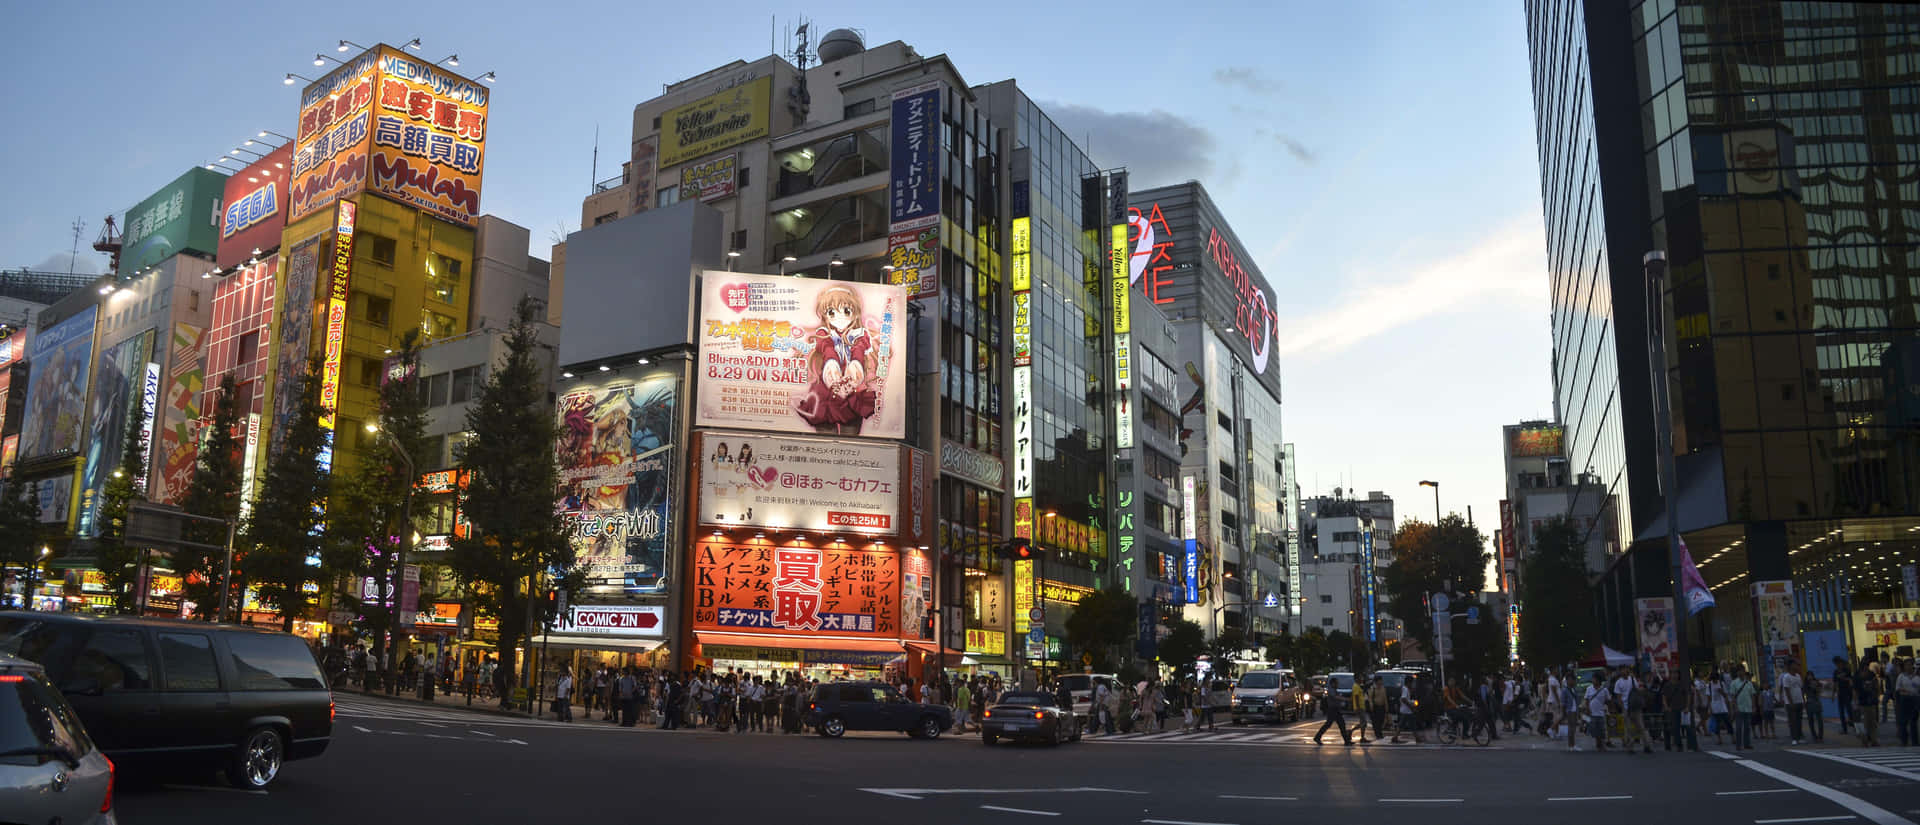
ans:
(1764, 150)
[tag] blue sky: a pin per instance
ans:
(1377, 158)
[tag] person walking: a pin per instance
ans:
(1720, 704)
(1906, 689)
(1332, 704)
(1866, 686)
(1597, 699)
(1745, 697)
(626, 691)
(1790, 691)
(1377, 704)
(1362, 717)
(1407, 709)
(1843, 692)
(1677, 700)
(1816, 712)
(1102, 697)
(563, 695)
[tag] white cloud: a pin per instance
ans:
(1157, 147)
(85, 263)
(1506, 264)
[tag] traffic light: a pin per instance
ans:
(1016, 550)
(551, 601)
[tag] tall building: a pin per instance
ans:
(1765, 150)
(1539, 488)
(1348, 541)
(1237, 565)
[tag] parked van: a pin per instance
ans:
(162, 692)
(1081, 685)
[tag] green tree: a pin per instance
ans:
(283, 531)
(19, 527)
(516, 534)
(1309, 652)
(119, 562)
(371, 514)
(1425, 557)
(1556, 616)
(1346, 652)
(214, 493)
(1182, 647)
(1102, 625)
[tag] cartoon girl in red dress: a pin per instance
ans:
(843, 363)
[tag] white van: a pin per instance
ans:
(1266, 696)
(1081, 685)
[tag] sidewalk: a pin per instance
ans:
(456, 700)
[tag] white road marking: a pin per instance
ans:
(1749, 793)
(480, 732)
(1421, 800)
(1880, 816)
(1724, 755)
(917, 793)
(1803, 819)
(1584, 798)
(361, 729)
(1019, 810)
(1266, 798)
(1858, 763)
(430, 724)
(1181, 822)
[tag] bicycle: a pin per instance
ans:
(1449, 731)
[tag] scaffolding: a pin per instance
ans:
(40, 287)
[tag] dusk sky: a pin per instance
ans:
(1376, 158)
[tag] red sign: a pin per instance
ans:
(255, 208)
(1252, 316)
(1893, 620)
(1155, 245)
(868, 520)
(798, 587)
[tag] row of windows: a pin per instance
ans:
(116, 661)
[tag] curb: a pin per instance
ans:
(488, 707)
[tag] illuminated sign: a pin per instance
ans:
(1152, 257)
(1022, 432)
(247, 464)
(149, 402)
(715, 122)
(1366, 581)
(1536, 442)
(337, 314)
(1023, 518)
(1253, 314)
(1029, 617)
(913, 190)
(330, 143)
(710, 180)
(986, 642)
(1022, 239)
(1062, 593)
(1022, 328)
(254, 207)
(429, 138)
(1122, 318)
(913, 254)
(1122, 340)
(1188, 518)
(1123, 385)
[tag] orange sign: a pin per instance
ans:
(429, 134)
(798, 587)
(330, 142)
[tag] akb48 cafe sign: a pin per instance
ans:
(812, 525)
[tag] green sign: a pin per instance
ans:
(184, 216)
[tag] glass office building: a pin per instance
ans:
(1768, 150)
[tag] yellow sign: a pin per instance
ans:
(716, 122)
(1022, 254)
(1122, 317)
(337, 313)
(429, 137)
(986, 642)
(1051, 591)
(1023, 601)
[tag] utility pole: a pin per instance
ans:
(1655, 265)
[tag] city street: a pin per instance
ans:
(398, 761)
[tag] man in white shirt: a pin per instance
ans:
(1791, 692)
(1596, 705)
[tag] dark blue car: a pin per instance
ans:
(838, 707)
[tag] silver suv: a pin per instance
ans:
(49, 769)
(1266, 696)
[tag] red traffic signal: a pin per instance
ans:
(1017, 550)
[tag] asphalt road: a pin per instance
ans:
(393, 762)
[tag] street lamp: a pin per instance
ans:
(400, 553)
(1436, 500)
(732, 256)
(784, 261)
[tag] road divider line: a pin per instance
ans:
(480, 732)
(1262, 798)
(1803, 819)
(1879, 815)
(1724, 755)
(1862, 764)
(1750, 793)
(1419, 801)
(1020, 810)
(1180, 822)
(1585, 798)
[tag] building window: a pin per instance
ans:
(858, 108)
(381, 249)
(668, 196)
(193, 300)
(436, 325)
(443, 280)
(1324, 599)
(1326, 621)
(610, 217)
(369, 372)
(249, 348)
(379, 310)
(435, 386)
(466, 384)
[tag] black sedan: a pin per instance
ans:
(1029, 715)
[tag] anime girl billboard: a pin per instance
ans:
(802, 355)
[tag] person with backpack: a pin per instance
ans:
(1597, 700)
(1635, 713)
(1866, 686)
(1745, 697)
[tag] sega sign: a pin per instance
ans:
(257, 206)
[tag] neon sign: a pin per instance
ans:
(1253, 313)
(1152, 258)
(337, 314)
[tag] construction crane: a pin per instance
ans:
(109, 243)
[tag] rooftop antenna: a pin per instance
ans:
(596, 159)
(799, 101)
(79, 226)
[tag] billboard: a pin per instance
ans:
(715, 122)
(800, 484)
(1659, 635)
(295, 333)
(615, 499)
(429, 137)
(117, 373)
(646, 154)
(334, 355)
(642, 620)
(710, 180)
(330, 144)
(183, 216)
(56, 498)
(1544, 441)
(180, 433)
(802, 355)
(57, 386)
(913, 190)
(831, 590)
(256, 208)
(914, 253)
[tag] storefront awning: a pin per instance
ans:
(931, 650)
(810, 649)
(561, 641)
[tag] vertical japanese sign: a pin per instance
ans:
(1777, 624)
(1022, 245)
(1022, 238)
(1023, 432)
(247, 464)
(337, 313)
(1366, 581)
(149, 404)
(429, 137)
(1189, 521)
(913, 190)
(1123, 533)
(294, 338)
(118, 374)
(1025, 605)
(1508, 567)
(1119, 282)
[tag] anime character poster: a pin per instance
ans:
(180, 438)
(1659, 639)
(117, 374)
(802, 355)
(57, 388)
(295, 333)
(615, 496)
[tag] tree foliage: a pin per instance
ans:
(20, 529)
(1102, 625)
(214, 493)
(283, 531)
(1182, 647)
(1556, 616)
(516, 534)
(119, 561)
(1306, 654)
(370, 515)
(1426, 557)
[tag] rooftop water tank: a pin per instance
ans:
(840, 43)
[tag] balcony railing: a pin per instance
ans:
(610, 183)
(847, 222)
(842, 159)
